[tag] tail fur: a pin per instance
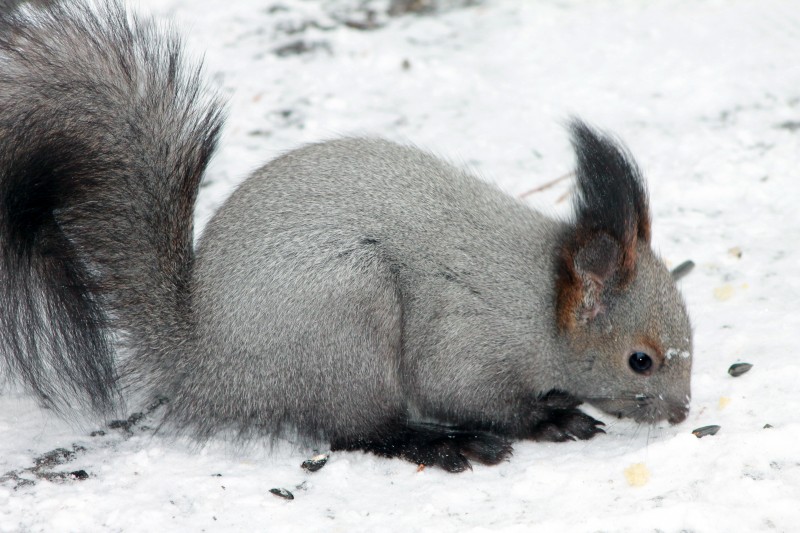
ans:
(105, 134)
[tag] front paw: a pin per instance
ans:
(566, 424)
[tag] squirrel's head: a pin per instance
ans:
(617, 305)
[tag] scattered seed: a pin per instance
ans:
(315, 463)
(737, 369)
(767, 426)
(301, 46)
(681, 270)
(735, 252)
(705, 431)
(80, 475)
(283, 493)
(790, 125)
(56, 457)
(723, 293)
(637, 475)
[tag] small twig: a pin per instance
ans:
(547, 185)
(564, 196)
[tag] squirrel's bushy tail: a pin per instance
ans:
(104, 137)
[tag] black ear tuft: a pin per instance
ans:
(612, 216)
(611, 196)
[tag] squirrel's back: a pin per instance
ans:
(354, 235)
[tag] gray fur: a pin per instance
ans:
(104, 136)
(377, 262)
(352, 291)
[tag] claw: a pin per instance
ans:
(566, 424)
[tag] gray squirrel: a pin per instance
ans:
(355, 292)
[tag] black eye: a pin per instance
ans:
(640, 362)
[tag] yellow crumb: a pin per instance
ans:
(723, 402)
(637, 475)
(723, 293)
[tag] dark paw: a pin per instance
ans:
(446, 455)
(451, 449)
(566, 424)
(484, 448)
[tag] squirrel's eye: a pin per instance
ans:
(640, 362)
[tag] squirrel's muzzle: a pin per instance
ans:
(677, 414)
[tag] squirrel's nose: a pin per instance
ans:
(678, 414)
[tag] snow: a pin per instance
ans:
(706, 94)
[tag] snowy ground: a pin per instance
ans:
(707, 95)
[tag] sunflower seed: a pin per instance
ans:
(681, 270)
(283, 493)
(705, 431)
(315, 463)
(737, 369)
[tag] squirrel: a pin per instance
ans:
(355, 292)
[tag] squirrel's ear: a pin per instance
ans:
(598, 252)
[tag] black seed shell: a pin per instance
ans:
(315, 463)
(737, 369)
(681, 270)
(80, 475)
(705, 431)
(283, 493)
